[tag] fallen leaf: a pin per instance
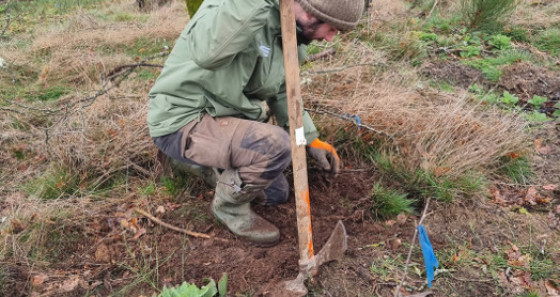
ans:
(70, 284)
(498, 198)
(102, 254)
(390, 222)
(521, 261)
(531, 196)
(124, 223)
(550, 187)
(546, 200)
(18, 226)
(160, 209)
(551, 289)
(95, 285)
(39, 279)
(393, 243)
(540, 148)
(401, 219)
(140, 232)
(513, 155)
(455, 258)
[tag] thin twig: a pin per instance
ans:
(432, 10)
(346, 118)
(180, 230)
(10, 109)
(398, 292)
(320, 55)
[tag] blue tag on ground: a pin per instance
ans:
(428, 252)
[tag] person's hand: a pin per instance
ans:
(265, 109)
(325, 154)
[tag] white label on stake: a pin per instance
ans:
(300, 137)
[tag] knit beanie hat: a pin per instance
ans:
(342, 14)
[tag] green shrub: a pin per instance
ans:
(486, 15)
(53, 184)
(499, 41)
(491, 67)
(537, 101)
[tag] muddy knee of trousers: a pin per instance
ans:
(266, 152)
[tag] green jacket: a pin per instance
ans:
(228, 56)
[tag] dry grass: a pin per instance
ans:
(434, 131)
(537, 14)
(86, 47)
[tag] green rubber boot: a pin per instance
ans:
(232, 207)
(206, 173)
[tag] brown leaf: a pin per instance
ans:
(70, 284)
(521, 261)
(401, 219)
(160, 209)
(18, 226)
(546, 200)
(532, 196)
(455, 258)
(102, 254)
(140, 232)
(39, 279)
(498, 198)
(393, 243)
(550, 187)
(390, 222)
(551, 289)
(540, 148)
(513, 155)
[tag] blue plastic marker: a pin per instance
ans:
(430, 260)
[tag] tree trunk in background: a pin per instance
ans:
(192, 6)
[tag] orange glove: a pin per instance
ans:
(325, 154)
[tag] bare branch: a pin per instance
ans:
(174, 228)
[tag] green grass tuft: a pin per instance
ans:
(491, 67)
(388, 203)
(518, 169)
(549, 40)
(53, 184)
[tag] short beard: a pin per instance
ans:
(306, 32)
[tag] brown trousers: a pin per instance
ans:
(259, 151)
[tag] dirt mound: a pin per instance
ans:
(250, 268)
(454, 72)
(525, 80)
